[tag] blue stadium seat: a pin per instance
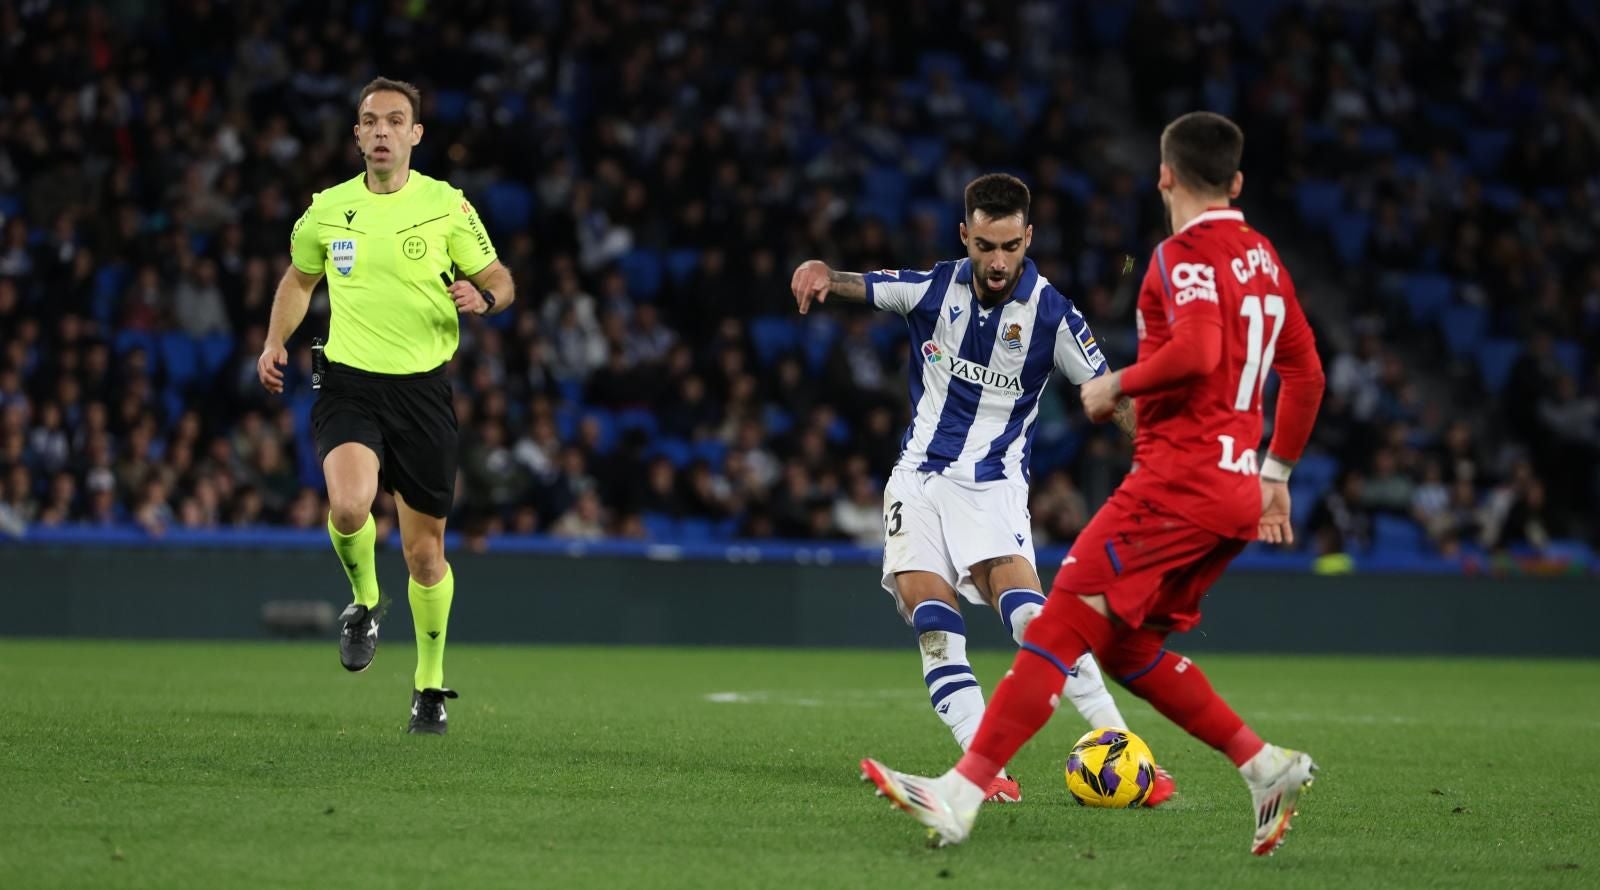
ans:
(1445, 115)
(10, 205)
(1552, 197)
(773, 336)
(215, 350)
(1254, 16)
(679, 451)
(1409, 166)
(1318, 133)
(567, 415)
(1485, 149)
(908, 91)
(886, 182)
(1108, 22)
(1079, 186)
(514, 102)
(1427, 294)
(608, 428)
(712, 451)
(934, 61)
(889, 335)
(642, 268)
(1495, 360)
(777, 420)
(945, 215)
(450, 106)
(126, 341)
(1316, 472)
(1394, 535)
(659, 526)
(172, 405)
(180, 356)
(725, 529)
(1569, 354)
(1379, 139)
(927, 154)
(886, 210)
(692, 530)
(1317, 200)
(1463, 327)
(637, 419)
(1502, 197)
(1302, 503)
(681, 263)
(510, 204)
(1349, 234)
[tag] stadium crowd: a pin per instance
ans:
(651, 172)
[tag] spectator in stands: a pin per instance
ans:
(1340, 523)
(664, 197)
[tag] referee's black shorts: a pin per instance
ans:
(408, 420)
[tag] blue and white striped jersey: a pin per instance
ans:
(977, 374)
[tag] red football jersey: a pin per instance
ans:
(1201, 439)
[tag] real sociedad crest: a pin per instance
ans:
(343, 254)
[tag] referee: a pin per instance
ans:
(387, 240)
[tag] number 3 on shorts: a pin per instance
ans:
(892, 520)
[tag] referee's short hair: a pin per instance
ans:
(404, 88)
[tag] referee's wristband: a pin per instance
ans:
(1276, 469)
(488, 299)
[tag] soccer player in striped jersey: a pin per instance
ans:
(986, 332)
(1217, 311)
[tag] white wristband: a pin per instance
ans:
(1275, 469)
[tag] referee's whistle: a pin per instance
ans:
(445, 277)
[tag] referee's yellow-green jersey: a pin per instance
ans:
(382, 254)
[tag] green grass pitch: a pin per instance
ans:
(194, 765)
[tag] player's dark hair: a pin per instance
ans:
(998, 195)
(385, 85)
(1203, 149)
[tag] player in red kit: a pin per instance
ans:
(1216, 311)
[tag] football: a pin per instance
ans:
(1110, 768)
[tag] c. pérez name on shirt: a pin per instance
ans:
(971, 372)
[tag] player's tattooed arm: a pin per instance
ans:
(848, 286)
(1124, 417)
(814, 282)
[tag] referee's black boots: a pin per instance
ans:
(358, 640)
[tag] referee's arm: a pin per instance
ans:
(494, 278)
(288, 310)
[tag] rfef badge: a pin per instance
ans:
(343, 254)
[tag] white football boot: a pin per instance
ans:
(948, 805)
(1277, 777)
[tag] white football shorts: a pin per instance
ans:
(939, 525)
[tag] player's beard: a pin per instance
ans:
(990, 298)
(1166, 216)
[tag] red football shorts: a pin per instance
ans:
(1153, 565)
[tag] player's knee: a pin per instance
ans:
(425, 558)
(1136, 653)
(348, 514)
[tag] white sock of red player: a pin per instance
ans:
(952, 687)
(1086, 687)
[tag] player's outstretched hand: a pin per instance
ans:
(810, 283)
(1275, 527)
(1100, 396)
(269, 367)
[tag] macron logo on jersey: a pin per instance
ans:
(972, 372)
